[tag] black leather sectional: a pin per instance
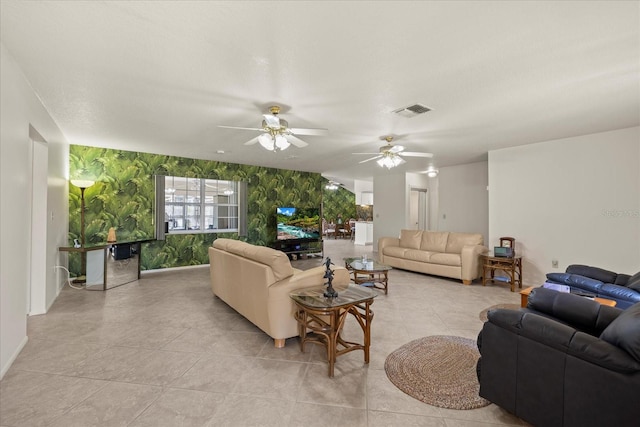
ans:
(563, 361)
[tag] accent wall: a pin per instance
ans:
(124, 193)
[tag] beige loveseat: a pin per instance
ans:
(455, 255)
(256, 282)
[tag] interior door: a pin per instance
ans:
(418, 209)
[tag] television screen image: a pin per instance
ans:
(298, 223)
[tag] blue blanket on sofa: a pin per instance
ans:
(594, 281)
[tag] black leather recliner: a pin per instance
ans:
(564, 360)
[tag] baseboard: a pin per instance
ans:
(13, 357)
(160, 270)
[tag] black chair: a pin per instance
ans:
(564, 360)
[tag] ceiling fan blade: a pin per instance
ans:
(371, 154)
(396, 149)
(251, 141)
(236, 127)
(368, 160)
(296, 141)
(271, 121)
(300, 131)
(415, 154)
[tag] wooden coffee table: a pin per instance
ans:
(524, 298)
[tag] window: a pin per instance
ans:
(195, 205)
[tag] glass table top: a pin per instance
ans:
(368, 265)
(314, 297)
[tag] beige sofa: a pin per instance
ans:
(256, 282)
(455, 255)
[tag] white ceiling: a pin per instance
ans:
(161, 76)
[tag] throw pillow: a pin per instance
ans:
(624, 331)
(634, 282)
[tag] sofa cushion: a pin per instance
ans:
(607, 290)
(434, 241)
(624, 331)
(576, 280)
(395, 251)
(457, 241)
(600, 274)
(634, 282)
(417, 255)
(410, 239)
(445, 259)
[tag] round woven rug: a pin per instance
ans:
(439, 370)
(483, 313)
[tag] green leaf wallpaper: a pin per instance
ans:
(123, 198)
(340, 201)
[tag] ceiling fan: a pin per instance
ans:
(390, 156)
(276, 133)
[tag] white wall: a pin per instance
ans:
(389, 208)
(463, 202)
(576, 200)
(359, 186)
(20, 108)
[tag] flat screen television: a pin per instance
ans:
(298, 223)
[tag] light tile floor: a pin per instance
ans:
(163, 351)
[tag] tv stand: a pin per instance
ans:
(292, 247)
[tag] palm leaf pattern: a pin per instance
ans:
(123, 197)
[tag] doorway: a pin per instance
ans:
(37, 289)
(418, 209)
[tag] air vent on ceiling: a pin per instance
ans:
(412, 110)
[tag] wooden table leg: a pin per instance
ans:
(367, 331)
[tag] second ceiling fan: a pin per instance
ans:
(390, 155)
(276, 133)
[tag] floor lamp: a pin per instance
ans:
(82, 184)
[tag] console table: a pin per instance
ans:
(321, 319)
(110, 264)
(511, 266)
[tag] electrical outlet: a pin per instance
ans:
(554, 263)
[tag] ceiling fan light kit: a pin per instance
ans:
(390, 161)
(390, 156)
(332, 185)
(273, 142)
(277, 135)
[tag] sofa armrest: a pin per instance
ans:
(470, 261)
(386, 241)
(581, 313)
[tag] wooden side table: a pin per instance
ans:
(511, 266)
(321, 319)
